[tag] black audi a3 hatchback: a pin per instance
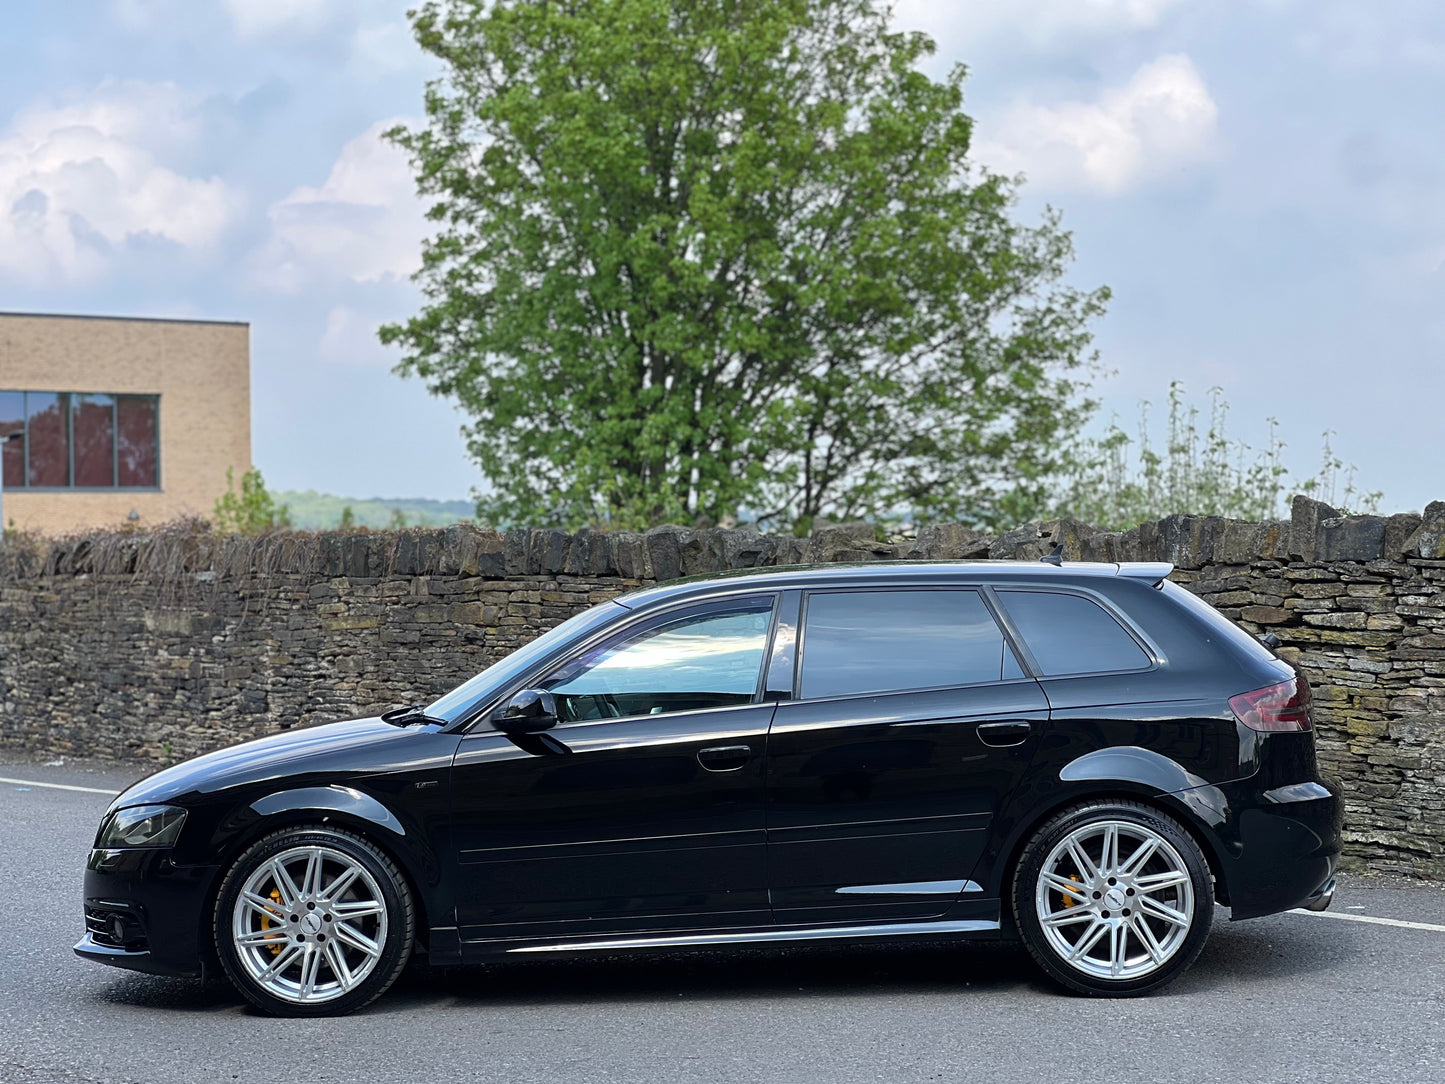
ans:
(1085, 758)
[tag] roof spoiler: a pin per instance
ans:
(1151, 572)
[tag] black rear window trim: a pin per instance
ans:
(1156, 657)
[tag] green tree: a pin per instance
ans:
(348, 519)
(702, 258)
(252, 510)
(398, 519)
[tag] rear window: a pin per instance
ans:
(1070, 634)
(892, 641)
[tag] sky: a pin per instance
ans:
(1261, 183)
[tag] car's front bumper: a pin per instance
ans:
(145, 913)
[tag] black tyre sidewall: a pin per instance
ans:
(395, 893)
(1031, 865)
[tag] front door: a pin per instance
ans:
(643, 808)
(909, 725)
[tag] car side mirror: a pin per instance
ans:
(529, 712)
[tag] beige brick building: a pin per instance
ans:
(107, 420)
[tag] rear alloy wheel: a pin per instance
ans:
(1113, 899)
(313, 921)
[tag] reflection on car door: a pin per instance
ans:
(911, 724)
(643, 807)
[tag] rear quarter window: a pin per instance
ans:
(1070, 634)
(1219, 625)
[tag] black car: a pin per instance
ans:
(1083, 757)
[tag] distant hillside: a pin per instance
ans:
(322, 511)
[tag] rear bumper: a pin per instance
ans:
(145, 913)
(1276, 849)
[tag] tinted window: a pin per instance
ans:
(74, 439)
(882, 641)
(708, 660)
(1069, 634)
(12, 452)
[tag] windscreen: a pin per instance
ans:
(470, 694)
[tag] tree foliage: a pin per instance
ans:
(252, 509)
(703, 258)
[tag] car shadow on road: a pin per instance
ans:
(1280, 950)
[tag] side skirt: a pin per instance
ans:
(942, 928)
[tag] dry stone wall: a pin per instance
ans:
(166, 645)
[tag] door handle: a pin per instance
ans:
(1002, 735)
(724, 758)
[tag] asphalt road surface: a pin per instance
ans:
(1293, 997)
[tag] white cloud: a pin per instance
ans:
(1035, 20)
(79, 180)
(384, 48)
(350, 339)
(365, 223)
(1161, 119)
(260, 18)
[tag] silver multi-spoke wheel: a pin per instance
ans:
(1114, 899)
(309, 924)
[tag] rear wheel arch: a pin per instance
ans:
(1099, 936)
(1120, 791)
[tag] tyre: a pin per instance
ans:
(1113, 899)
(313, 921)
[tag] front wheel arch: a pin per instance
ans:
(305, 818)
(366, 867)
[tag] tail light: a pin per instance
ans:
(1282, 707)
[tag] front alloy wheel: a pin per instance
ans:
(313, 921)
(1113, 898)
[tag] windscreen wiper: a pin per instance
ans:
(412, 713)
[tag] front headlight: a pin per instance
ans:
(142, 826)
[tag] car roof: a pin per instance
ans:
(889, 573)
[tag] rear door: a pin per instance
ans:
(908, 723)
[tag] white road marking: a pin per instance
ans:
(58, 786)
(1372, 919)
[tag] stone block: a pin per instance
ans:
(630, 555)
(1265, 615)
(748, 549)
(1071, 534)
(516, 548)
(1020, 544)
(1398, 530)
(1103, 546)
(1305, 517)
(1336, 620)
(1350, 538)
(842, 542)
(945, 541)
(664, 550)
(553, 551)
(1428, 540)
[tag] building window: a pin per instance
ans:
(80, 440)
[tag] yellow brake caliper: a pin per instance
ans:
(266, 921)
(1068, 899)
